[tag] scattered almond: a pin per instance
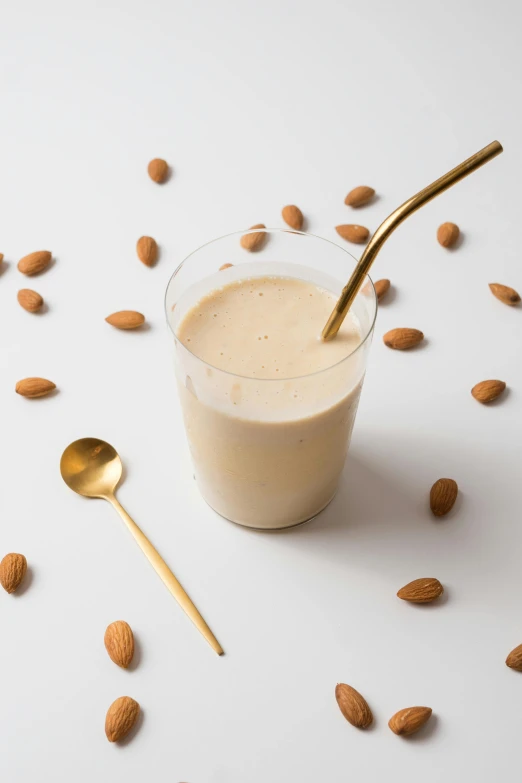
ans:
(447, 234)
(126, 319)
(158, 170)
(147, 250)
(353, 706)
(421, 591)
(359, 196)
(487, 391)
(381, 288)
(119, 643)
(409, 720)
(293, 216)
(35, 263)
(443, 495)
(225, 266)
(403, 338)
(352, 233)
(254, 241)
(12, 570)
(1, 257)
(121, 717)
(506, 294)
(514, 659)
(34, 387)
(29, 300)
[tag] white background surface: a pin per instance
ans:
(256, 106)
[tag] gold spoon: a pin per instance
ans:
(92, 468)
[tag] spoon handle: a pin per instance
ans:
(167, 576)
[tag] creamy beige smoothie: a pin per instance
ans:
(268, 407)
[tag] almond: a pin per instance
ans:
(421, 591)
(225, 266)
(119, 643)
(293, 216)
(121, 717)
(35, 263)
(447, 234)
(158, 170)
(403, 338)
(352, 233)
(34, 387)
(487, 391)
(506, 294)
(381, 288)
(353, 706)
(126, 319)
(514, 659)
(409, 720)
(254, 241)
(147, 250)
(359, 196)
(12, 570)
(443, 495)
(29, 300)
(1, 257)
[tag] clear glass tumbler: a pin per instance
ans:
(268, 453)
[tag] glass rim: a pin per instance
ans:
(268, 230)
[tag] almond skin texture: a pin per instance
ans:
(254, 242)
(352, 233)
(35, 263)
(34, 387)
(421, 591)
(409, 720)
(447, 234)
(12, 570)
(506, 294)
(293, 217)
(353, 706)
(119, 643)
(30, 300)
(225, 266)
(147, 250)
(443, 495)
(403, 338)
(514, 659)
(121, 717)
(126, 319)
(158, 170)
(487, 391)
(381, 288)
(360, 196)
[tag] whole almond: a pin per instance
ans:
(293, 216)
(12, 570)
(409, 720)
(225, 266)
(403, 338)
(158, 170)
(514, 659)
(353, 233)
(443, 495)
(35, 263)
(381, 288)
(353, 706)
(487, 391)
(359, 196)
(255, 241)
(447, 234)
(30, 300)
(147, 250)
(506, 294)
(119, 643)
(121, 717)
(34, 387)
(126, 319)
(421, 591)
(1, 257)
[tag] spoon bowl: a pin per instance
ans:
(91, 467)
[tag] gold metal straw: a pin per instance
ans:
(390, 224)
